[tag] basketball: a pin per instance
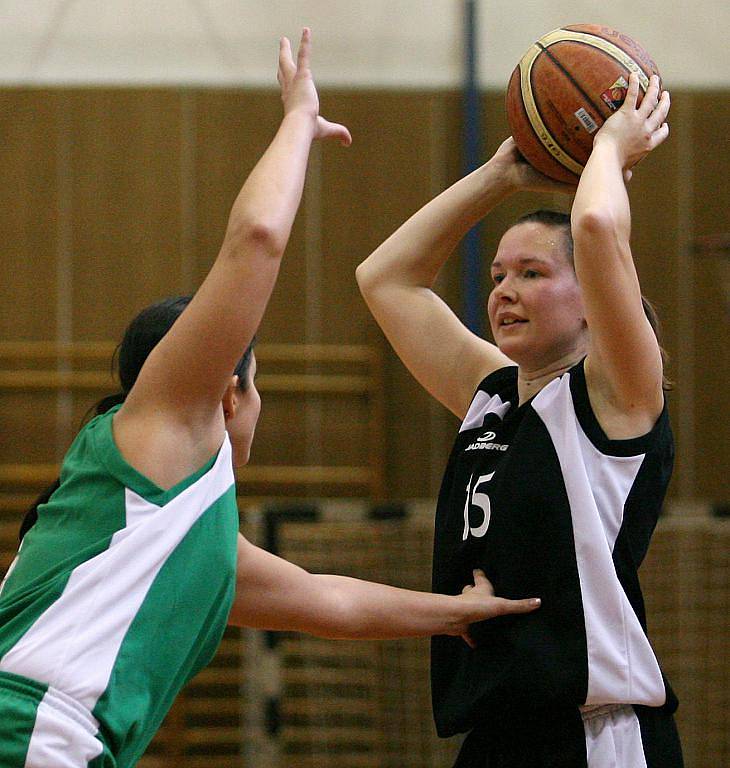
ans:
(564, 88)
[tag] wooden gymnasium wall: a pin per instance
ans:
(112, 198)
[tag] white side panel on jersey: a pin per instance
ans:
(73, 645)
(613, 740)
(621, 663)
(481, 405)
(63, 735)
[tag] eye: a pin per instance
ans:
(497, 278)
(530, 273)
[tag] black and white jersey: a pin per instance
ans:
(540, 499)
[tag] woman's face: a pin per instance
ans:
(242, 426)
(535, 308)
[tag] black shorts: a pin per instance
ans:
(614, 736)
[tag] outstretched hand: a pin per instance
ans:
(480, 604)
(637, 130)
(298, 91)
(520, 176)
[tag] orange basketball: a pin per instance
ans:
(564, 87)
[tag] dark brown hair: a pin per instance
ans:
(140, 338)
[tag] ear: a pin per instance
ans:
(230, 399)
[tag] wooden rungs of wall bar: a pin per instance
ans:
(331, 384)
(103, 350)
(307, 370)
(18, 377)
(44, 474)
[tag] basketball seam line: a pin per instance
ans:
(561, 156)
(572, 80)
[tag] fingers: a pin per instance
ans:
(651, 97)
(305, 47)
(286, 62)
(660, 112)
(632, 93)
(481, 580)
(501, 604)
(328, 130)
(287, 67)
(659, 135)
(505, 606)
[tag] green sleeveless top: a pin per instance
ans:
(121, 591)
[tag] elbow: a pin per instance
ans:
(594, 223)
(364, 277)
(336, 616)
(373, 278)
(255, 235)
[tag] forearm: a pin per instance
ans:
(268, 201)
(601, 206)
(366, 610)
(339, 607)
(414, 253)
(272, 593)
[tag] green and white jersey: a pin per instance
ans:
(118, 595)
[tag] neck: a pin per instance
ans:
(530, 380)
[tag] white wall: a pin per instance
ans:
(374, 43)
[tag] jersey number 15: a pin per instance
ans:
(480, 500)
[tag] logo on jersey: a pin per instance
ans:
(484, 443)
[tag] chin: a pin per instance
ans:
(241, 457)
(512, 348)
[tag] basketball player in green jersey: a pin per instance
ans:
(127, 576)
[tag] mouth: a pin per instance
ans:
(508, 322)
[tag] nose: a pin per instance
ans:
(504, 292)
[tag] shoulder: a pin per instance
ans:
(502, 380)
(607, 429)
(494, 394)
(631, 408)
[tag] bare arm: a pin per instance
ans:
(624, 366)
(274, 594)
(179, 390)
(396, 281)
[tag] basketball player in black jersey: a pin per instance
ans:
(561, 463)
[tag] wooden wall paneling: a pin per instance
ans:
(233, 129)
(711, 203)
(29, 152)
(153, 173)
(30, 164)
(398, 152)
(126, 201)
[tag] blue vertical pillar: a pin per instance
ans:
(471, 263)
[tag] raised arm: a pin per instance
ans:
(396, 281)
(181, 385)
(274, 594)
(624, 366)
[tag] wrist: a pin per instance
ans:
(460, 616)
(607, 148)
(303, 118)
(491, 186)
(497, 181)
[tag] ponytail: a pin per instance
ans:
(31, 516)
